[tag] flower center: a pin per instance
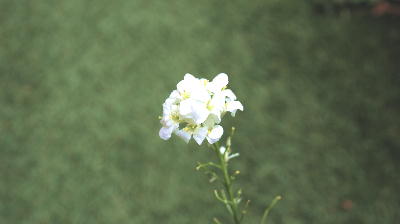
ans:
(174, 117)
(190, 128)
(209, 106)
(185, 95)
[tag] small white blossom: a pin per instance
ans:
(170, 118)
(196, 108)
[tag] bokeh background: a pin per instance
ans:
(81, 88)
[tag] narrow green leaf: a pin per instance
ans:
(268, 209)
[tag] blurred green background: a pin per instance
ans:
(82, 83)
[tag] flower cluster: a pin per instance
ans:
(196, 108)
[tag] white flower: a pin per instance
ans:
(196, 108)
(170, 119)
(199, 133)
(194, 97)
(192, 88)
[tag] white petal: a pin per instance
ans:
(233, 106)
(218, 101)
(165, 132)
(200, 134)
(168, 102)
(189, 77)
(181, 86)
(188, 82)
(199, 93)
(216, 106)
(174, 94)
(228, 93)
(219, 82)
(184, 135)
(185, 107)
(204, 82)
(166, 121)
(194, 110)
(215, 134)
(200, 113)
(167, 107)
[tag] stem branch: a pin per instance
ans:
(227, 184)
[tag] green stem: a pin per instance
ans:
(268, 209)
(227, 184)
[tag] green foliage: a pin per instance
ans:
(82, 83)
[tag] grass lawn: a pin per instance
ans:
(82, 83)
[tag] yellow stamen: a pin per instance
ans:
(174, 117)
(185, 95)
(190, 128)
(209, 106)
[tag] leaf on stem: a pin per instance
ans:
(244, 211)
(207, 165)
(268, 209)
(219, 197)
